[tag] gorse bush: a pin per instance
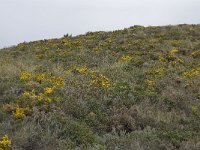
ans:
(5, 142)
(136, 88)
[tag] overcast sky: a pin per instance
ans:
(28, 20)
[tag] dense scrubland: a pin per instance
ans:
(137, 88)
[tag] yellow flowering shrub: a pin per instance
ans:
(150, 84)
(173, 51)
(96, 49)
(27, 94)
(20, 112)
(196, 54)
(32, 94)
(40, 97)
(40, 77)
(68, 72)
(21, 46)
(82, 70)
(156, 71)
(25, 76)
(173, 63)
(39, 56)
(48, 90)
(100, 81)
(126, 58)
(161, 59)
(192, 73)
(138, 43)
(43, 97)
(176, 43)
(66, 42)
(171, 55)
(43, 77)
(5, 142)
(57, 81)
(48, 99)
(109, 40)
(77, 43)
(178, 61)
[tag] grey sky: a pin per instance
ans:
(27, 20)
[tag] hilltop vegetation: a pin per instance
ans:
(137, 88)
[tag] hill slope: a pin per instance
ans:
(137, 88)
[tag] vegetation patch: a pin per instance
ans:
(136, 88)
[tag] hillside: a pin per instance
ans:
(137, 88)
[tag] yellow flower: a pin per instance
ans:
(174, 63)
(40, 96)
(196, 54)
(25, 76)
(26, 94)
(150, 84)
(66, 42)
(19, 112)
(32, 94)
(180, 61)
(156, 71)
(57, 81)
(100, 81)
(48, 90)
(5, 142)
(126, 58)
(48, 99)
(173, 51)
(96, 49)
(192, 73)
(40, 77)
(161, 58)
(39, 56)
(82, 70)
(67, 72)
